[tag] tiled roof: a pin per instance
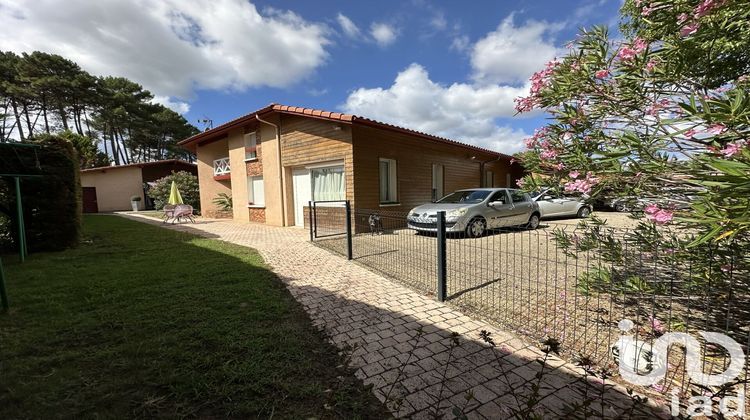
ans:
(140, 165)
(333, 116)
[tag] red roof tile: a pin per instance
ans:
(335, 116)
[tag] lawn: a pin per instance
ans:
(140, 321)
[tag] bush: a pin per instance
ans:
(223, 201)
(51, 203)
(186, 182)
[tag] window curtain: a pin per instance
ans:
(384, 181)
(328, 184)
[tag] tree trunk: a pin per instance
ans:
(115, 153)
(64, 118)
(44, 114)
(28, 120)
(18, 118)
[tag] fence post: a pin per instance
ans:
(315, 223)
(348, 230)
(310, 216)
(441, 257)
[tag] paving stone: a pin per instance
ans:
(398, 339)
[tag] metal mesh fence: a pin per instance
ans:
(560, 282)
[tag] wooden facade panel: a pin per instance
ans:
(414, 157)
(308, 141)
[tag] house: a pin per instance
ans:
(109, 188)
(275, 160)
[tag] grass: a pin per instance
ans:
(140, 321)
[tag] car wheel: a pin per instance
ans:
(533, 222)
(584, 212)
(476, 228)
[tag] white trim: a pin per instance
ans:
(251, 160)
(326, 164)
(392, 180)
(390, 205)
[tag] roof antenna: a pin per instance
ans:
(207, 123)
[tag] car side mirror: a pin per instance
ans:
(496, 203)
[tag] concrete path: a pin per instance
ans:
(421, 357)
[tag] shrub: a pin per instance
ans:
(224, 201)
(52, 202)
(186, 182)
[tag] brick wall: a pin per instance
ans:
(257, 215)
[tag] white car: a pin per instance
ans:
(553, 205)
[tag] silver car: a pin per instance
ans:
(553, 205)
(476, 210)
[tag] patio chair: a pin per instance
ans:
(182, 211)
(168, 212)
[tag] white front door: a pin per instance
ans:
(302, 195)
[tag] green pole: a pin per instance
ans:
(21, 227)
(3, 292)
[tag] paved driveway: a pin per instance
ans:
(401, 342)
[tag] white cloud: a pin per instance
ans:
(460, 43)
(460, 111)
(438, 21)
(383, 33)
(350, 28)
(171, 47)
(510, 54)
(176, 106)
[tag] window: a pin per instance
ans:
(328, 184)
(255, 191)
(499, 196)
(251, 146)
(518, 196)
(388, 181)
(489, 179)
(437, 181)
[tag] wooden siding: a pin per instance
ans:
(307, 141)
(414, 158)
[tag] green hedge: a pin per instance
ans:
(52, 203)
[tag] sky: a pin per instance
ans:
(443, 67)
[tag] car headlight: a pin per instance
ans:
(455, 214)
(411, 213)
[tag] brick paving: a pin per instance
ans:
(421, 357)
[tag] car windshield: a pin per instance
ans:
(475, 196)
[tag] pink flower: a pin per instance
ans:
(601, 74)
(689, 29)
(716, 129)
(651, 65)
(548, 154)
(626, 53)
(733, 148)
(560, 166)
(520, 182)
(705, 8)
(574, 174)
(583, 185)
(530, 142)
(726, 268)
(647, 10)
(658, 215)
(690, 133)
(656, 325)
(639, 45)
(682, 18)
